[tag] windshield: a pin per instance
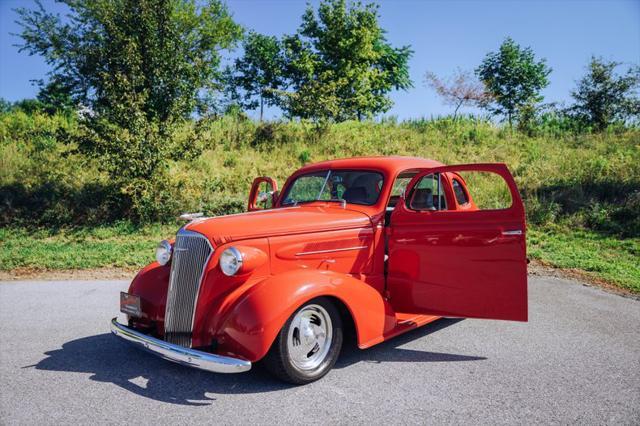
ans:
(353, 186)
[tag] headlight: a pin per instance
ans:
(163, 252)
(230, 261)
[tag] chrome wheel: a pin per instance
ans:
(308, 344)
(309, 337)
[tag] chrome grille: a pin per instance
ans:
(191, 252)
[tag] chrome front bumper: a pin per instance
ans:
(181, 355)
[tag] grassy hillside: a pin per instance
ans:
(582, 192)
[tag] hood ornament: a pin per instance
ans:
(189, 217)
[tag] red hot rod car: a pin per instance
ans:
(378, 244)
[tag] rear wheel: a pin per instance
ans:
(308, 344)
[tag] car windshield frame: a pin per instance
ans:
(328, 173)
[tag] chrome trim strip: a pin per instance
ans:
(178, 354)
(307, 253)
(514, 232)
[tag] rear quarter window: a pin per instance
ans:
(460, 193)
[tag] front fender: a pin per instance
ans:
(151, 284)
(253, 322)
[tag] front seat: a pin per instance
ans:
(356, 195)
(422, 199)
(364, 190)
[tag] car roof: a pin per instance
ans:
(389, 164)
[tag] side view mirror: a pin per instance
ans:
(263, 195)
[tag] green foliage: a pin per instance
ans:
(120, 245)
(124, 245)
(161, 52)
(56, 97)
(339, 65)
(44, 180)
(585, 180)
(513, 78)
(581, 190)
(555, 122)
(266, 133)
(258, 73)
(601, 256)
(5, 105)
(49, 101)
(304, 157)
(602, 97)
(140, 69)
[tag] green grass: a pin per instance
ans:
(125, 246)
(581, 191)
(118, 246)
(614, 260)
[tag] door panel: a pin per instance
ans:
(463, 263)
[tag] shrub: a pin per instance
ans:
(583, 180)
(304, 157)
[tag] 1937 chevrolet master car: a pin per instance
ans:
(379, 244)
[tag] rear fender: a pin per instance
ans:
(253, 322)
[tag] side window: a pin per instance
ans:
(488, 190)
(427, 194)
(399, 187)
(265, 200)
(458, 190)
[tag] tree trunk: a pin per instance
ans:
(455, 111)
(261, 106)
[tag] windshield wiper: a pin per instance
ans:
(296, 202)
(323, 185)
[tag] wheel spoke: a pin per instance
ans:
(319, 331)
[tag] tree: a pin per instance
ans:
(139, 68)
(28, 106)
(602, 96)
(55, 97)
(5, 106)
(462, 89)
(259, 72)
(339, 64)
(513, 78)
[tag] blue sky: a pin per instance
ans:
(443, 34)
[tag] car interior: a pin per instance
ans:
(421, 198)
(364, 189)
(424, 199)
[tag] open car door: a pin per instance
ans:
(448, 260)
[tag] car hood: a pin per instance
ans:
(280, 221)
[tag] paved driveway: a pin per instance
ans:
(576, 361)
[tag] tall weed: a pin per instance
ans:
(565, 176)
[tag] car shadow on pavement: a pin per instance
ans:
(111, 360)
(390, 352)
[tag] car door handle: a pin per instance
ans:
(512, 232)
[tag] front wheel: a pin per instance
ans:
(308, 344)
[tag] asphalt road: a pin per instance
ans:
(576, 361)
